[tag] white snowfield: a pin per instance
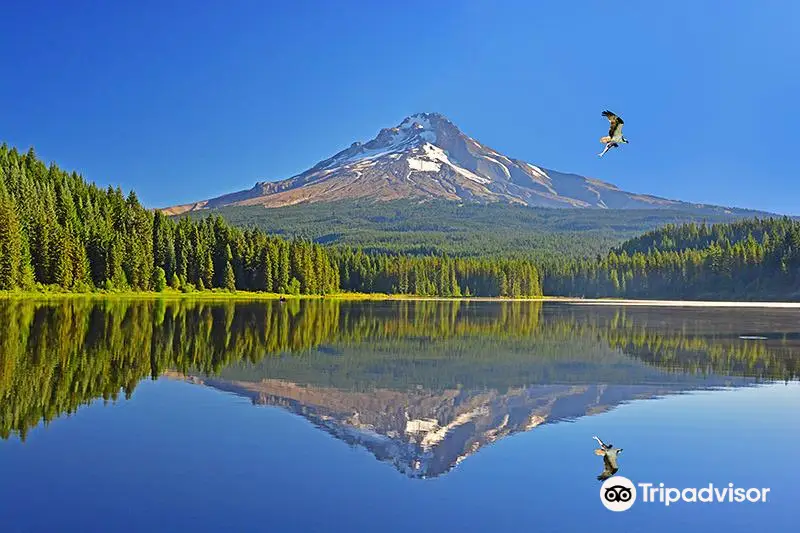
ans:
(437, 154)
(422, 165)
(432, 160)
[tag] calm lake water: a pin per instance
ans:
(394, 416)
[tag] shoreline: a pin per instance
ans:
(676, 303)
(253, 296)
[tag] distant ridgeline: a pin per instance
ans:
(746, 260)
(58, 231)
(56, 357)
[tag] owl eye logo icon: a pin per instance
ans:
(618, 493)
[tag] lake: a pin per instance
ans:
(315, 415)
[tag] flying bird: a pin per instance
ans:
(609, 453)
(614, 137)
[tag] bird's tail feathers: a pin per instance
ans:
(605, 139)
(599, 451)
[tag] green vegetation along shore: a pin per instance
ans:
(748, 260)
(59, 233)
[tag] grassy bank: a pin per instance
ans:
(167, 294)
(223, 295)
(232, 295)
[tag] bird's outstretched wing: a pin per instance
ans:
(616, 123)
(601, 443)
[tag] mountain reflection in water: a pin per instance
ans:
(420, 384)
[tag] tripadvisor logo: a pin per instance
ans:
(619, 493)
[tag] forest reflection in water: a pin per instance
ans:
(58, 356)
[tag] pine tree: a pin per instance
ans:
(455, 289)
(230, 278)
(27, 279)
(40, 242)
(116, 274)
(61, 259)
(182, 249)
(81, 273)
(10, 243)
(207, 270)
(274, 258)
(283, 268)
(159, 279)
(294, 287)
(163, 245)
(265, 271)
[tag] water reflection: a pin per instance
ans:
(421, 385)
(610, 455)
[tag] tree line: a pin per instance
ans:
(746, 260)
(436, 275)
(59, 232)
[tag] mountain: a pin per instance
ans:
(428, 157)
(426, 433)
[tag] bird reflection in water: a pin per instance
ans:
(609, 454)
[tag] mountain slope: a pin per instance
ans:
(427, 157)
(441, 226)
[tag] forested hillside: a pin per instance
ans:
(58, 232)
(464, 229)
(672, 237)
(747, 260)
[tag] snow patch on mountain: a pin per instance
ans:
(422, 165)
(436, 153)
(364, 155)
(437, 435)
(539, 172)
(423, 425)
(498, 163)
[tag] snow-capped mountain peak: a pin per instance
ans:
(413, 132)
(427, 156)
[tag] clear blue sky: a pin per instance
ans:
(182, 101)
